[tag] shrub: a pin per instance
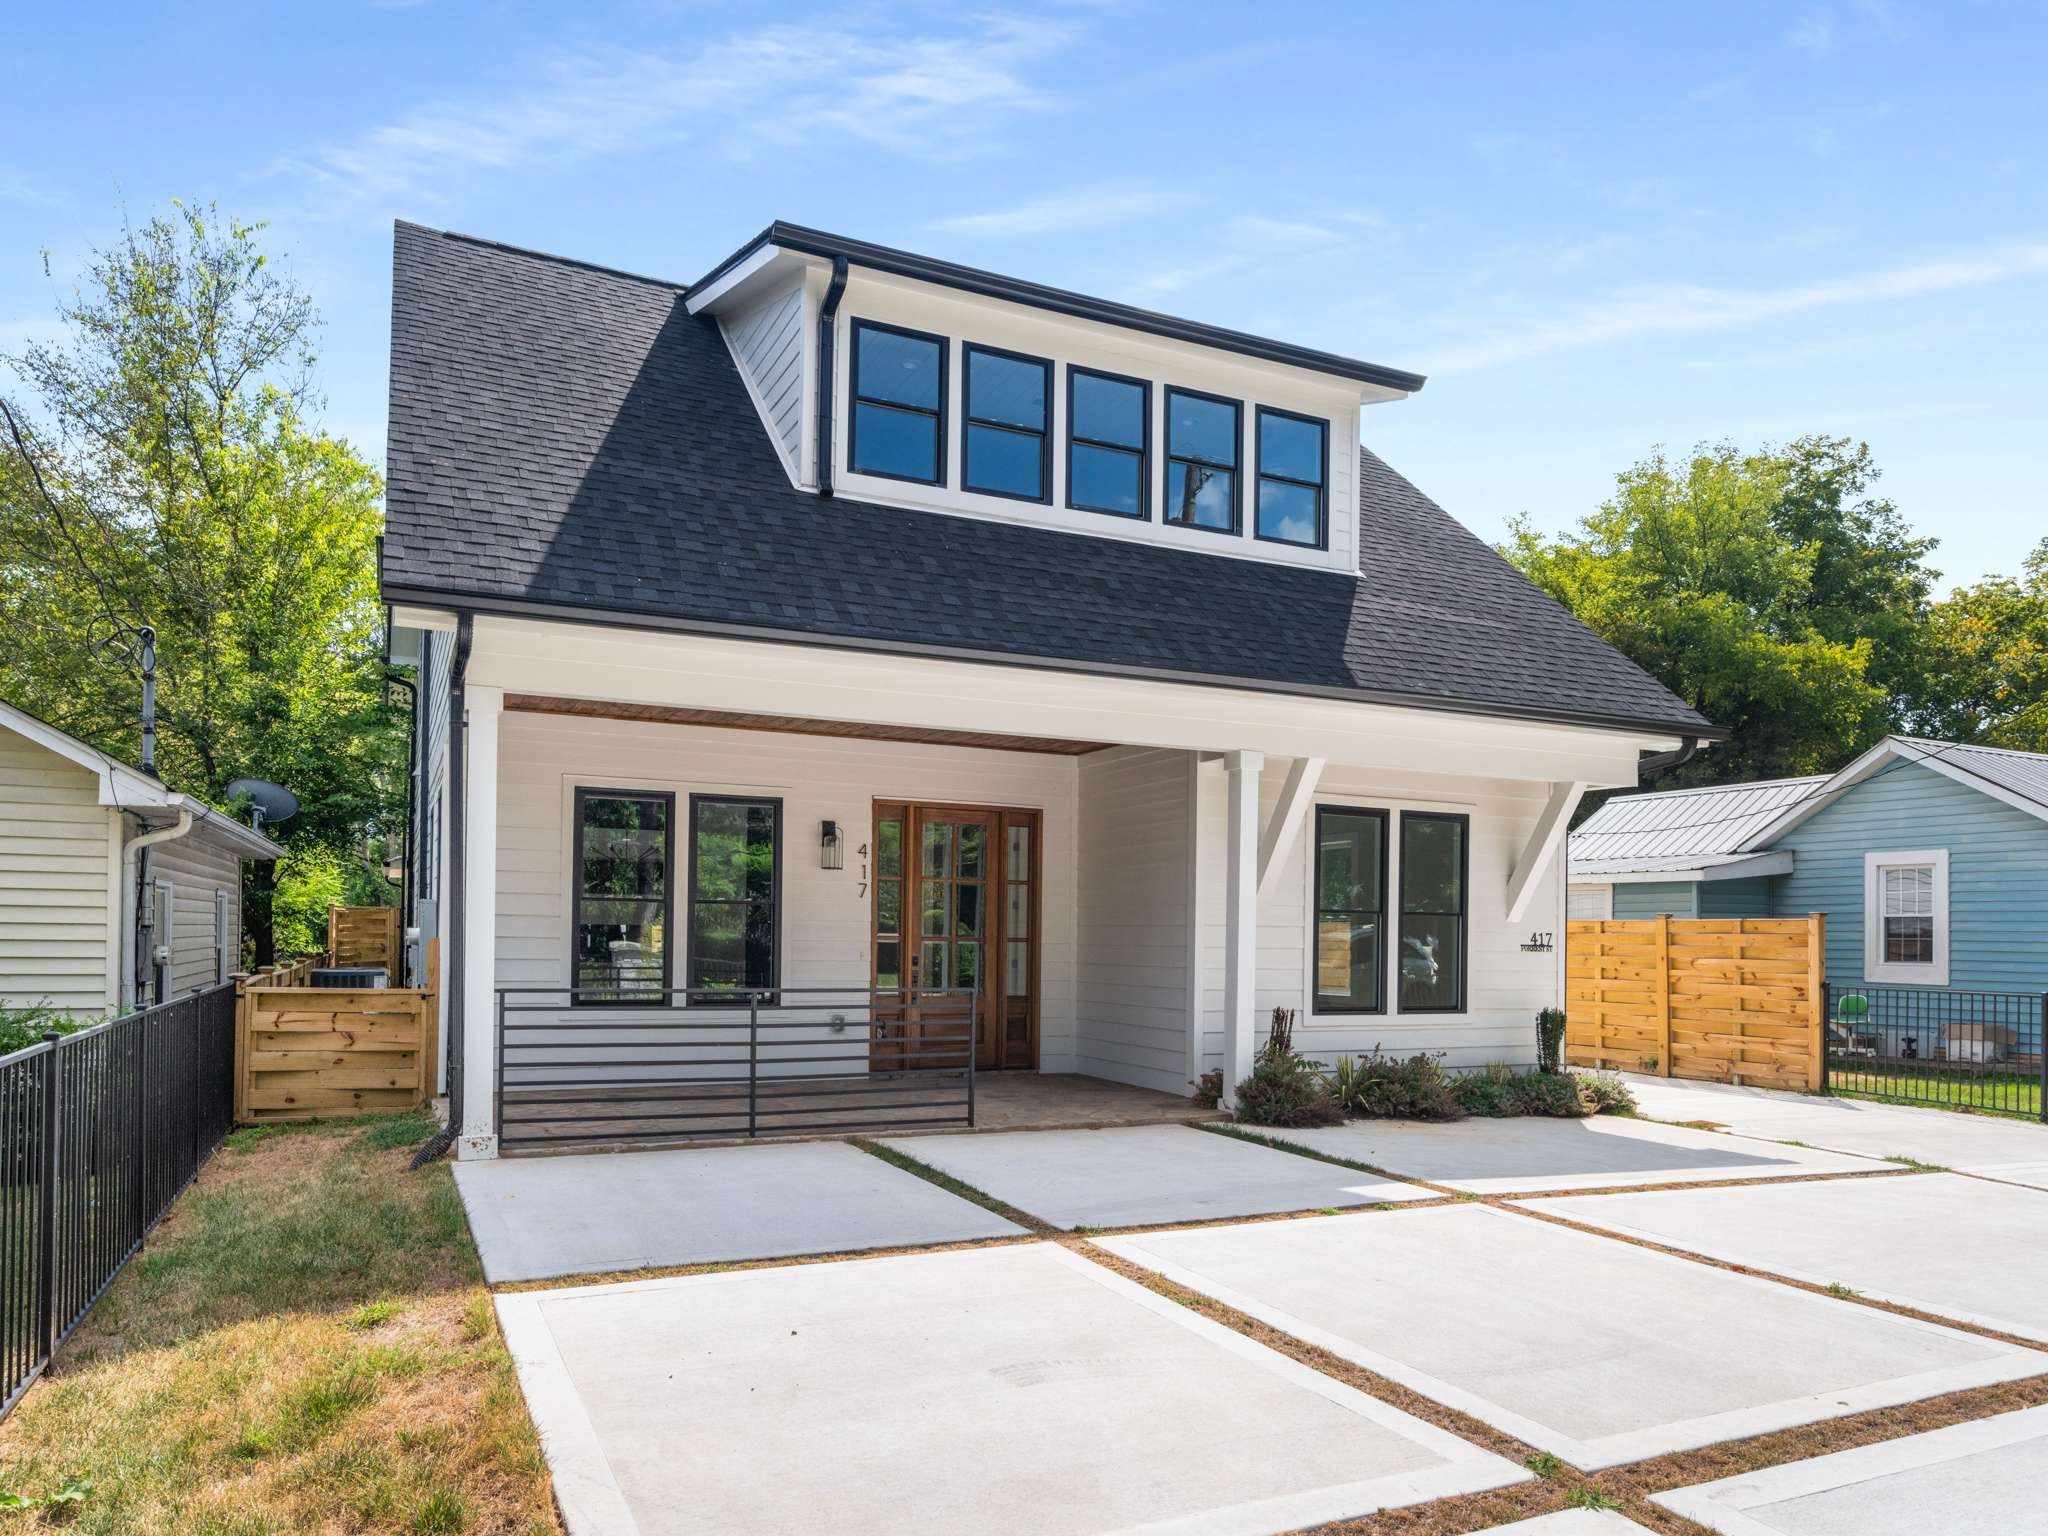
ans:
(1550, 1040)
(1604, 1093)
(1209, 1088)
(21, 1028)
(1287, 1091)
(1499, 1091)
(1402, 1088)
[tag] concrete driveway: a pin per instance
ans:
(1011, 1391)
(538, 1218)
(1146, 1175)
(1531, 1155)
(1992, 1146)
(1961, 1248)
(1599, 1351)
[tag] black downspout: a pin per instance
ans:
(1663, 762)
(412, 778)
(828, 316)
(452, 978)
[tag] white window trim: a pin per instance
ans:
(1875, 968)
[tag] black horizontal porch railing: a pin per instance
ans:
(579, 1066)
(1932, 1045)
(99, 1131)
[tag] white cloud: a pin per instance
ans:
(1255, 242)
(19, 187)
(1103, 206)
(1677, 309)
(936, 96)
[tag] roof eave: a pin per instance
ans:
(882, 258)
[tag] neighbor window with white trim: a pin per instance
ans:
(1905, 917)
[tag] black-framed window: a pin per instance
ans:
(1203, 433)
(1435, 862)
(899, 403)
(624, 877)
(735, 893)
(1293, 478)
(1351, 910)
(1109, 442)
(1007, 450)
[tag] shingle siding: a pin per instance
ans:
(566, 436)
(1998, 874)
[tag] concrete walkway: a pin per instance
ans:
(538, 1218)
(1985, 1476)
(1013, 1391)
(1993, 1146)
(1572, 1522)
(1530, 1155)
(1146, 1175)
(1961, 1248)
(1599, 1351)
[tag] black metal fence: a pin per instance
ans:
(583, 1067)
(1929, 1045)
(99, 1131)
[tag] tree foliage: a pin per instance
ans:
(161, 467)
(1773, 592)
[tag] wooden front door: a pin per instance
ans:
(955, 936)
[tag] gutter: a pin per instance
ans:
(134, 882)
(453, 982)
(828, 315)
(1664, 762)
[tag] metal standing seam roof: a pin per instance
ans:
(2023, 773)
(1682, 829)
(568, 441)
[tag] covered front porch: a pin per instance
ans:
(710, 889)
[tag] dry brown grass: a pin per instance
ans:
(305, 1345)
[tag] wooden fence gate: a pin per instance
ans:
(1723, 1000)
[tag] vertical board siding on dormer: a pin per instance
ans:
(767, 341)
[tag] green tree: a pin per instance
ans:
(169, 473)
(1987, 661)
(1715, 573)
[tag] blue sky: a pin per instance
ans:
(1596, 227)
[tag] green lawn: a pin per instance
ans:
(305, 1345)
(2008, 1093)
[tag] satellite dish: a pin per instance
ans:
(271, 802)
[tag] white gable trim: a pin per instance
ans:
(1889, 750)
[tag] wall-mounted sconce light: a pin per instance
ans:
(830, 854)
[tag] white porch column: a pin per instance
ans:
(1240, 916)
(478, 1133)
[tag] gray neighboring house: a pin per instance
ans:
(114, 890)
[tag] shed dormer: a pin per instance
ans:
(948, 389)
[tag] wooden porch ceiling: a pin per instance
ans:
(659, 714)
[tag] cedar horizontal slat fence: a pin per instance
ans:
(364, 936)
(1721, 1000)
(305, 1053)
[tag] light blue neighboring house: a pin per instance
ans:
(1929, 858)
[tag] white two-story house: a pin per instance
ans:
(862, 668)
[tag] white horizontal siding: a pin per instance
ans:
(1131, 1000)
(766, 339)
(197, 866)
(55, 922)
(825, 918)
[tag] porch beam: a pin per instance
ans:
(1240, 917)
(1544, 840)
(477, 1137)
(1296, 795)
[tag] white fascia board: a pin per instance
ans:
(770, 263)
(820, 682)
(243, 842)
(120, 785)
(406, 616)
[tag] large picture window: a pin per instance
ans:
(735, 880)
(1007, 448)
(624, 872)
(1351, 901)
(1202, 433)
(1294, 474)
(899, 403)
(1108, 435)
(1433, 899)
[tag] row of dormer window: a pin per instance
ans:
(899, 432)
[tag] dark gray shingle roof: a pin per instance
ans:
(569, 437)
